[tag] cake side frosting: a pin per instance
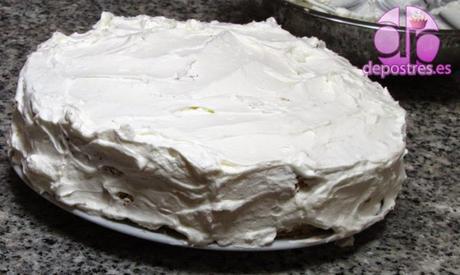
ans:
(225, 133)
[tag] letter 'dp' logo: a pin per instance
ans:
(387, 39)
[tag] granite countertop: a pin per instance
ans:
(421, 234)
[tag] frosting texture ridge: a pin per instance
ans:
(225, 133)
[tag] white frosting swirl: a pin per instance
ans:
(224, 133)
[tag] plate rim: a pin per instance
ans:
(133, 230)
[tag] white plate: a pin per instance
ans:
(159, 237)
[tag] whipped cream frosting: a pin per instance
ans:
(225, 133)
(446, 12)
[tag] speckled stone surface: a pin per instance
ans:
(421, 234)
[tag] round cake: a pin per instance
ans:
(225, 133)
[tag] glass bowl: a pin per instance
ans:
(351, 38)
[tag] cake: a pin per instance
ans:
(418, 21)
(224, 133)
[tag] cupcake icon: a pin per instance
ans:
(417, 20)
